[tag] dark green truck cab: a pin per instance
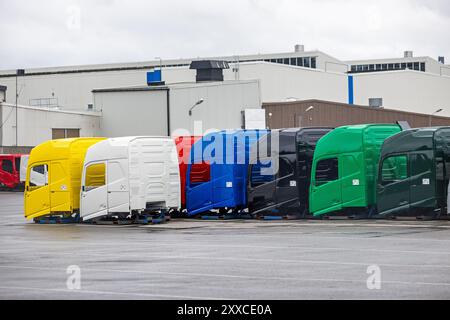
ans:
(345, 168)
(413, 173)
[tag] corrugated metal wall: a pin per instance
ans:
(334, 114)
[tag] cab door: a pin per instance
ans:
(94, 192)
(60, 192)
(7, 177)
(118, 186)
(37, 191)
(422, 192)
(287, 189)
(393, 185)
(262, 186)
(199, 187)
(326, 195)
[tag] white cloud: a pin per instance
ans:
(59, 32)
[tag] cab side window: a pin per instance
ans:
(7, 166)
(200, 173)
(327, 171)
(394, 169)
(95, 176)
(260, 174)
(39, 176)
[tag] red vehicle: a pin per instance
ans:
(184, 144)
(10, 170)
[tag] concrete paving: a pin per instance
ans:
(190, 259)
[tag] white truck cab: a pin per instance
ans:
(127, 176)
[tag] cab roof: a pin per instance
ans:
(418, 139)
(116, 148)
(60, 148)
(354, 138)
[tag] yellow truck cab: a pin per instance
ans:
(53, 179)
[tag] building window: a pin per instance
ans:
(65, 133)
(409, 65)
(353, 68)
(384, 66)
(313, 62)
(300, 62)
(378, 67)
(293, 61)
(372, 67)
(397, 66)
(286, 61)
(416, 66)
(422, 66)
(403, 66)
(306, 62)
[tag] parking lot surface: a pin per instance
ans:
(232, 259)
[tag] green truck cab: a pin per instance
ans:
(345, 168)
(413, 174)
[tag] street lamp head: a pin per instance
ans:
(195, 104)
(309, 108)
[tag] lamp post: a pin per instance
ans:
(300, 117)
(19, 72)
(195, 104)
(431, 116)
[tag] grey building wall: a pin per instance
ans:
(129, 113)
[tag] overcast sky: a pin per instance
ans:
(70, 32)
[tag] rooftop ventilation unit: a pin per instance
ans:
(209, 70)
(299, 48)
(376, 102)
(408, 54)
(441, 59)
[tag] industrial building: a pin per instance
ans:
(310, 113)
(156, 97)
(162, 110)
(35, 125)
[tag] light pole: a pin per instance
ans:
(160, 62)
(160, 67)
(300, 118)
(431, 116)
(19, 72)
(195, 104)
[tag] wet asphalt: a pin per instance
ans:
(233, 259)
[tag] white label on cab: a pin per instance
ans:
(355, 182)
(63, 187)
(229, 184)
(426, 181)
(293, 183)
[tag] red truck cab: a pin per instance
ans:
(10, 170)
(184, 145)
